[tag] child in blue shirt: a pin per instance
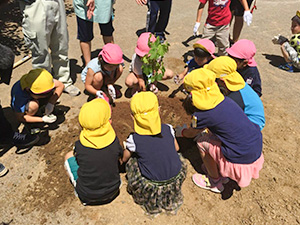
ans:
(233, 145)
(34, 89)
(156, 173)
(204, 50)
(243, 52)
(233, 86)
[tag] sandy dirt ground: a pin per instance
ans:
(37, 191)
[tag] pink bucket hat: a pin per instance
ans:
(112, 54)
(243, 49)
(207, 45)
(142, 47)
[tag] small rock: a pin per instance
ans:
(68, 213)
(29, 177)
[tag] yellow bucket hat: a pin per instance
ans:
(97, 131)
(38, 80)
(205, 91)
(225, 68)
(144, 107)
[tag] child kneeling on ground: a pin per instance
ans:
(156, 173)
(136, 79)
(232, 147)
(93, 166)
(101, 73)
(33, 90)
(204, 50)
(290, 49)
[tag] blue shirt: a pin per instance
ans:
(95, 65)
(252, 105)
(157, 157)
(241, 139)
(252, 77)
(192, 65)
(19, 98)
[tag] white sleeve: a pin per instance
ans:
(172, 130)
(130, 145)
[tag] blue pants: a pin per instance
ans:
(159, 16)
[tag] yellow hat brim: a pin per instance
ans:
(39, 81)
(233, 81)
(148, 123)
(98, 138)
(207, 99)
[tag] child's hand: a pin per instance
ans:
(142, 85)
(49, 118)
(177, 78)
(279, 39)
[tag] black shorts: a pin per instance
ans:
(237, 7)
(85, 29)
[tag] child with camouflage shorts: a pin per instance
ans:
(156, 174)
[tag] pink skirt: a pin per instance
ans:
(241, 173)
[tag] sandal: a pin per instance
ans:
(205, 182)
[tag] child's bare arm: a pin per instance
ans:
(59, 87)
(183, 74)
(141, 83)
(126, 155)
(89, 82)
(176, 145)
(285, 54)
(22, 117)
(191, 132)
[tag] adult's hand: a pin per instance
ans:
(91, 7)
(196, 27)
(247, 17)
(141, 2)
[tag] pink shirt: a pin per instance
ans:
(218, 12)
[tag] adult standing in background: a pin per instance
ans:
(237, 11)
(158, 16)
(45, 27)
(87, 12)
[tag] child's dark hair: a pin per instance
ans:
(188, 105)
(296, 19)
(199, 52)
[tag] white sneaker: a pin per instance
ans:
(72, 90)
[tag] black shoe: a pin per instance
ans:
(3, 170)
(24, 140)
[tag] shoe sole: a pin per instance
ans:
(3, 172)
(28, 144)
(215, 190)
